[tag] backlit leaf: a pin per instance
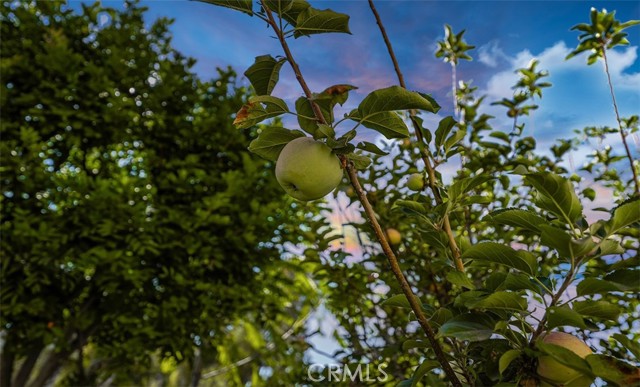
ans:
(316, 21)
(468, 326)
(264, 73)
(500, 254)
(559, 316)
(245, 6)
(271, 141)
(556, 195)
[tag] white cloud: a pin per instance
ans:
(553, 60)
(491, 54)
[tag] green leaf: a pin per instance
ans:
(459, 188)
(527, 220)
(623, 216)
(519, 281)
(239, 5)
(391, 99)
(338, 94)
(626, 279)
(389, 124)
(359, 161)
(264, 73)
(373, 148)
(501, 135)
(441, 316)
(432, 101)
(461, 279)
(556, 195)
(288, 9)
(258, 109)
(399, 301)
(444, 128)
(599, 309)
(468, 326)
(316, 21)
(557, 239)
(610, 247)
(426, 366)
(452, 140)
(589, 286)
(563, 243)
(565, 357)
(326, 131)
(411, 206)
(632, 346)
(507, 358)
(502, 255)
(501, 300)
(412, 343)
(306, 116)
(614, 370)
(271, 140)
(559, 316)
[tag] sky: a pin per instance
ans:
(507, 35)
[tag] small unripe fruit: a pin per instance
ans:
(350, 192)
(416, 182)
(307, 169)
(394, 236)
(551, 370)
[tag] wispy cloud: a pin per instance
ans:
(491, 54)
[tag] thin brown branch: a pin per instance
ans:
(622, 133)
(352, 173)
(426, 157)
(397, 271)
(554, 301)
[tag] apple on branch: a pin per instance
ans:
(416, 182)
(552, 372)
(307, 169)
(394, 236)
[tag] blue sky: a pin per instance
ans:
(507, 34)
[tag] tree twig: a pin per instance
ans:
(426, 157)
(622, 133)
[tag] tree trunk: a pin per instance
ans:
(6, 366)
(196, 371)
(22, 377)
(49, 368)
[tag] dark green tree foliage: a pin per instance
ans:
(133, 216)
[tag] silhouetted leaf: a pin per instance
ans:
(245, 6)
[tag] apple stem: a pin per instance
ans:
(353, 176)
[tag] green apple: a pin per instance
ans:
(307, 169)
(416, 182)
(554, 373)
(394, 236)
